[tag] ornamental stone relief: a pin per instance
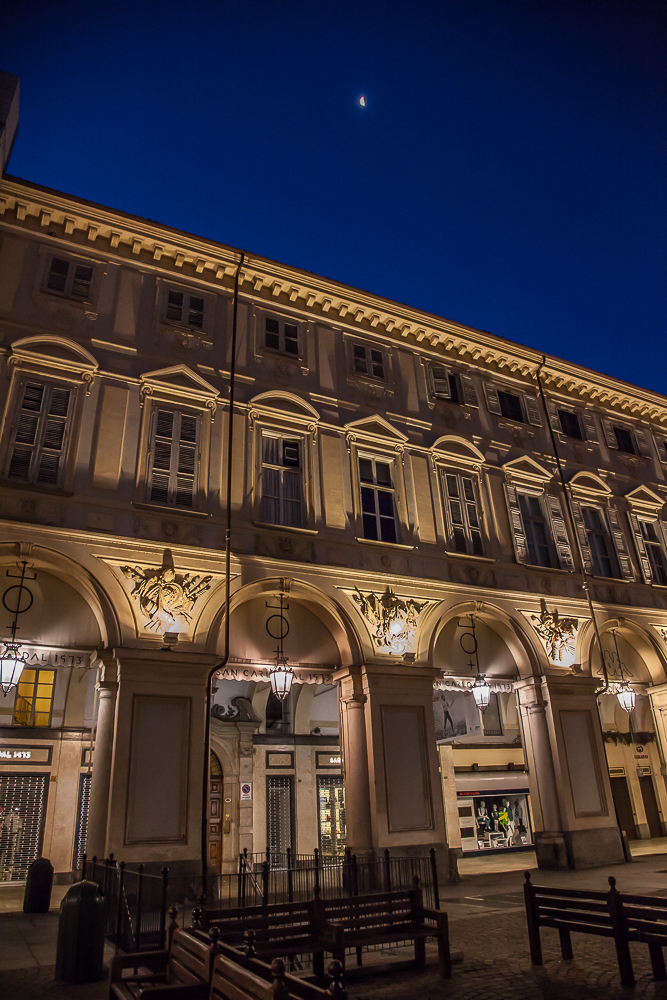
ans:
(165, 598)
(393, 620)
(558, 634)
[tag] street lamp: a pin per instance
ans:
(281, 675)
(481, 689)
(481, 692)
(12, 660)
(625, 694)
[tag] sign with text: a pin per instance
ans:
(39, 656)
(246, 791)
(329, 759)
(262, 672)
(17, 754)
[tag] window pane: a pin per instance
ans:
(366, 470)
(459, 540)
(292, 513)
(291, 453)
(291, 339)
(452, 486)
(477, 546)
(370, 527)
(570, 425)
(360, 359)
(385, 503)
(368, 500)
(83, 276)
(510, 405)
(377, 363)
(388, 529)
(471, 510)
(271, 450)
(658, 566)
(383, 474)
(58, 275)
(455, 509)
(624, 440)
(592, 518)
(175, 305)
(455, 395)
(292, 485)
(272, 333)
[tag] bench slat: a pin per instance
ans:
(582, 928)
(547, 890)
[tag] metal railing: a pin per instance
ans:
(138, 904)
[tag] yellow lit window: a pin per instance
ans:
(34, 698)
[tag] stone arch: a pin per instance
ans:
(634, 639)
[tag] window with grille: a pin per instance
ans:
(377, 500)
(34, 697)
(279, 813)
(464, 523)
(174, 459)
(333, 827)
(38, 445)
(282, 482)
(185, 308)
(654, 552)
(70, 278)
(281, 335)
(81, 821)
(23, 809)
(598, 541)
(536, 531)
(368, 361)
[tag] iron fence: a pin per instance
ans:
(138, 903)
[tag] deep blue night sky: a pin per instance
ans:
(508, 171)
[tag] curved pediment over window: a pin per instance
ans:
(460, 447)
(287, 402)
(589, 483)
(377, 427)
(56, 351)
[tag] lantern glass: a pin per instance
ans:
(281, 679)
(626, 696)
(481, 692)
(11, 666)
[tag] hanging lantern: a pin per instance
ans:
(11, 666)
(481, 692)
(626, 696)
(281, 678)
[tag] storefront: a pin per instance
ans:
(494, 811)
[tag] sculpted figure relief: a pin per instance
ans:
(558, 634)
(393, 619)
(161, 598)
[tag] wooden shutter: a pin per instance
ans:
(589, 425)
(554, 419)
(53, 442)
(640, 545)
(160, 456)
(582, 536)
(187, 461)
(559, 531)
(440, 380)
(516, 524)
(40, 438)
(532, 409)
(469, 392)
(624, 561)
(492, 401)
(661, 447)
(609, 435)
(643, 445)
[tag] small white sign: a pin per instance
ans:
(246, 790)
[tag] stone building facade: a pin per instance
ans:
(394, 486)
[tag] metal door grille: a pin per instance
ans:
(82, 821)
(279, 799)
(23, 808)
(331, 803)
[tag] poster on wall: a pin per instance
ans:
(450, 715)
(491, 821)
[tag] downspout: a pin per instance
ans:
(228, 564)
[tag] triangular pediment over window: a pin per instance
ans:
(526, 467)
(286, 402)
(376, 426)
(54, 350)
(180, 379)
(642, 498)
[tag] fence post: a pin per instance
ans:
(317, 887)
(163, 907)
(290, 877)
(387, 870)
(265, 883)
(119, 907)
(94, 876)
(434, 878)
(620, 935)
(140, 889)
(83, 867)
(355, 876)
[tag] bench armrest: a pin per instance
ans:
(437, 915)
(136, 958)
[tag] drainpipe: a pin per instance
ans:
(228, 563)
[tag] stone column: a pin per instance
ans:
(355, 761)
(658, 698)
(98, 811)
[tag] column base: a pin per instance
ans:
(550, 851)
(579, 848)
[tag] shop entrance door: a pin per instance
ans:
(215, 814)
(650, 806)
(22, 813)
(279, 803)
(331, 809)
(621, 793)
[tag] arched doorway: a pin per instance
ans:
(215, 822)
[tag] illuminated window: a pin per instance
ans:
(377, 500)
(34, 698)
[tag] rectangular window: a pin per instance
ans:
(70, 278)
(38, 444)
(654, 552)
(570, 424)
(368, 361)
(34, 698)
(174, 459)
(510, 405)
(282, 482)
(185, 308)
(377, 500)
(464, 520)
(535, 530)
(624, 440)
(598, 541)
(280, 335)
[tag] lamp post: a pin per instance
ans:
(12, 660)
(481, 689)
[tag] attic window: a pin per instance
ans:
(70, 278)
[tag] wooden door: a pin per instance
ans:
(215, 815)
(651, 806)
(621, 793)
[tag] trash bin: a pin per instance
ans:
(80, 953)
(37, 895)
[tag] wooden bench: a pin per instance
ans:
(622, 916)
(237, 976)
(181, 972)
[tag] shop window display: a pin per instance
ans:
(494, 821)
(331, 801)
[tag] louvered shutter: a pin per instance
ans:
(492, 401)
(187, 462)
(661, 447)
(532, 409)
(559, 531)
(624, 561)
(40, 439)
(469, 391)
(643, 445)
(609, 435)
(554, 419)
(25, 437)
(161, 456)
(53, 436)
(589, 424)
(640, 545)
(516, 524)
(582, 536)
(440, 380)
